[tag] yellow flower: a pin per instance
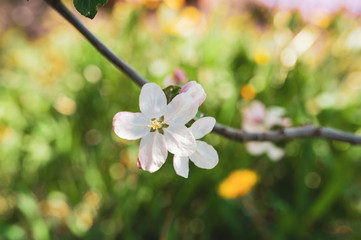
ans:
(261, 56)
(151, 4)
(248, 92)
(174, 4)
(238, 184)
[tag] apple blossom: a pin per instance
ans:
(205, 155)
(259, 119)
(161, 127)
(195, 90)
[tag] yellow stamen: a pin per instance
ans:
(156, 125)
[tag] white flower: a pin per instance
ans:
(161, 127)
(195, 90)
(259, 119)
(205, 156)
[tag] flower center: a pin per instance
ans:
(155, 124)
(158, 125)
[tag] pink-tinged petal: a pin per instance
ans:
(181, 166)
(202, 127)
(257, 148)
(139, 165)
(286, 122)
(195, 90)
(152, 100)
(205, 156)
(180, 110)
(130, 126)
(179, 140)
(275, 153)
(152, 152)
(255, 114)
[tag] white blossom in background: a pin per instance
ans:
(257, 118)
(195, 90)
(161, 127)
(205, 155)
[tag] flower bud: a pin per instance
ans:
(195, 90)
(178, 78)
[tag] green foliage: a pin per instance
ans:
(88, 8)
(171, 92)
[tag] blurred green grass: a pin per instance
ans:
(65, 175)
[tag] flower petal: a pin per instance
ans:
(139, 165)
(275, 153)
(181, 165)
(152, 152)
(257, 148)
(152, 100)
(205, 156)
(180, 110)
(130, 126)
(273, 117)
(253, 117)
(202, 127)
(195, 90)
(179, 140)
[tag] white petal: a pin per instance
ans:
(130, 126)
(181, 165)
(202, 127)
(179, 140)
(257, 148)
(275, 153)
(274, 117)
(152, 100)
(205, 156)
(181, 109)
(152, 152)
(195, 90)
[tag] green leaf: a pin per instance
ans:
(171, 92)
(88, 8)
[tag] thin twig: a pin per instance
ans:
(231, 133)
(104, 50)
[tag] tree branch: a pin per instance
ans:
(231, 133)
(287, 134)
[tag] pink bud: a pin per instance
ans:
(179, 78)
(195, 90)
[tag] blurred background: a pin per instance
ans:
(65, 175)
